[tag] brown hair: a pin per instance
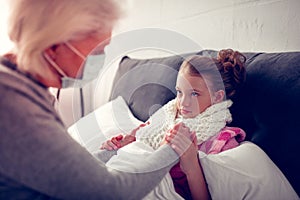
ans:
(226, 72)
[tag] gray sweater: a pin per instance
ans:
(39, 160)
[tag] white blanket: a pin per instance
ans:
(136, 152)
(244, 172)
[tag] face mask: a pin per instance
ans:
(91, 68)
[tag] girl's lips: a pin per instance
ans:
(184, 112)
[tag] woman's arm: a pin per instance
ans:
(39, 156)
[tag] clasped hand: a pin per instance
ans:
(184, 142)
(180, 138)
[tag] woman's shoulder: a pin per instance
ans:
(14, 82)
(22, 97)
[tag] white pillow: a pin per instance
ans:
(105, 122)
(245, 172)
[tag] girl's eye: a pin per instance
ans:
(178, 91)
(195, 94)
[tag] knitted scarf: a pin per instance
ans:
(206, 124)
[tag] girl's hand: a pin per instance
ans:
(113, 144)
(133, 132)
(179, 137)
(117, 142)
(189, 159)
(185, 144)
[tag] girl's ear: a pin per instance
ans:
(219, 96)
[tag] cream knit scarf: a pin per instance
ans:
(206, 124)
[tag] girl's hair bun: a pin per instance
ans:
(233, 71)
(231, 59)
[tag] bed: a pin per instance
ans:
(267, 109)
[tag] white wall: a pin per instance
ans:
(245, 25)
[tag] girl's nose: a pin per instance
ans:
(185, 101)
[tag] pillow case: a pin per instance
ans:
(245, 172)
(105, 122)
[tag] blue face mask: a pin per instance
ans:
(91, 68)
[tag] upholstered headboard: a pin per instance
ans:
(267, 108)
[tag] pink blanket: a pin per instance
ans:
(228, 138)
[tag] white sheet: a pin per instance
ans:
(244, 172)
(135, 153)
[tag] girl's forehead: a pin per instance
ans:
(188, 81)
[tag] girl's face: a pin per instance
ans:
(193, 95)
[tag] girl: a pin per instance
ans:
(203, 84)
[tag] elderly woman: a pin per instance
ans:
(38, 159)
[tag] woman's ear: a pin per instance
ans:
(219, 96)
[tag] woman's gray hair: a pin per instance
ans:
(35, 25)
